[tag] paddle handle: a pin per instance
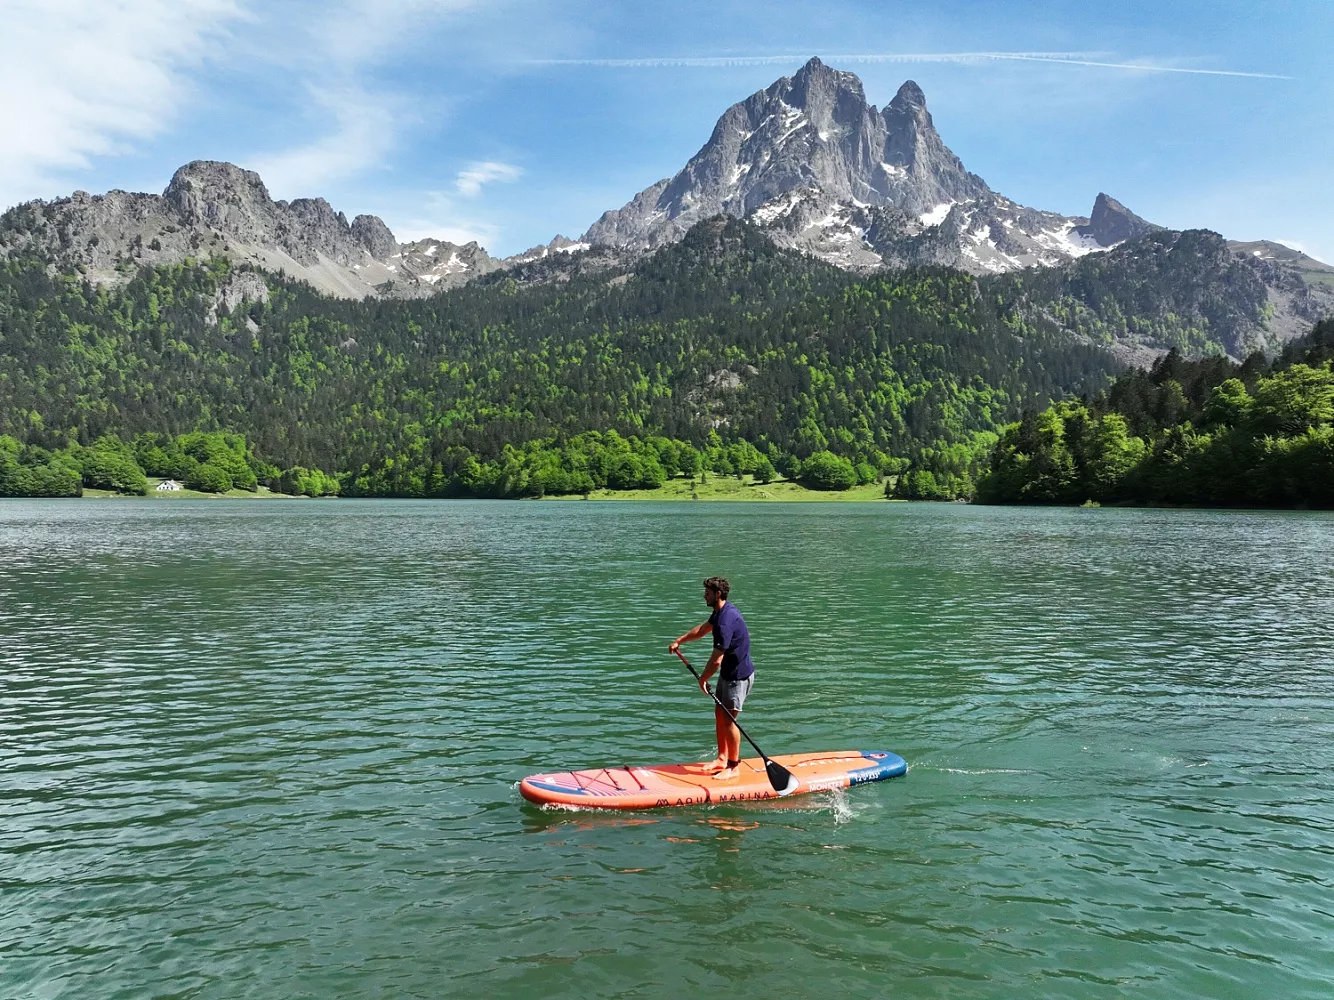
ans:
(730, 714)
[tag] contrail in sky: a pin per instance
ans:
(1097, 59)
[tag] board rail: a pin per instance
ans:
(661, 786)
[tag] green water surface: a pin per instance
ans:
(271, 750)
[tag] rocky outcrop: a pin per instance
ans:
(212, 208)
(374, 237)
(1300, 289)
(1112, 223)
(822, 170)
(813, 132)
(807, 160)
(240, 288)
(433, 263)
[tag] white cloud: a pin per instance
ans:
(460, 232)
(360, 31)
(1094, 59)
(335, 52)
(416, 215)
(364, 130)
(474, 175)
(90, 79)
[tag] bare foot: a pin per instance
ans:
(726, 774)
(715, 765)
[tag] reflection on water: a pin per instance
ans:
(270, 750)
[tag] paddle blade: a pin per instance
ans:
(783, 780)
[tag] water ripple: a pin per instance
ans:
(269, 750)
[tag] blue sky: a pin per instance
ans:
(509, 121)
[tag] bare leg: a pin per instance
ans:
(720, 724)
(729, 744)
(719, 762)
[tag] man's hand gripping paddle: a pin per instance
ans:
(784, 781)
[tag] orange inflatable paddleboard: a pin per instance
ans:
(689, 785)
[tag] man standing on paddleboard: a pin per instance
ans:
(731, 654)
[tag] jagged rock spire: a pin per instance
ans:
(811, 131)
(1112, 223)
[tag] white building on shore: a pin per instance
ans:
(168, 485)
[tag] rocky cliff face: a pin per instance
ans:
(824, 171)
(812, 135)
(807, 160)
(1112, 223)
(218, 208)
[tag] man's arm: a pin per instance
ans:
(698, 632)
(715, 661)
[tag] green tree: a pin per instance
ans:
(1229, 404)
(920, 484)
(764, 470)
(209, 478)
(299, 481)
(826, 471)
(635, 472)
(1107, 457)
(688, 459)
(1295, 400)
(110, 465)
(52, 481)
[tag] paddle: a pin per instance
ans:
(784, 781)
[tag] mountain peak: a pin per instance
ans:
(817, 87)
(909, 96)
(217, 171)
(371, 233)
(811, 137)
(198, 188)
(212, 208)
(907, 116)
(1112, 223)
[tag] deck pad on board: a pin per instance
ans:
(633, 787)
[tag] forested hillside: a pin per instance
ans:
(720, 338)
(1207, 431)
(1186, 291)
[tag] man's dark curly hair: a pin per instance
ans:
(719, 585)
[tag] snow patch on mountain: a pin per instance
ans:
(219, 209)
(936, 215)
(813, 163)
(1066, 241)
(778, 208)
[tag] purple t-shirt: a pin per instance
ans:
(732, 637)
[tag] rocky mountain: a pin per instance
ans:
(821, 169)
(1186, 290)
(807, 160)
(1315, 273)
(1112, 223)
(217, 208)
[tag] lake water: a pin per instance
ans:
(270, 750)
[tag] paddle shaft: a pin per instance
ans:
(730, 714)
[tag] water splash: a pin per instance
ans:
(841, 807)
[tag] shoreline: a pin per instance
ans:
(261, 493)
(727, 490)
(732, 490)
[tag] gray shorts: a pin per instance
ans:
(733, 693)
